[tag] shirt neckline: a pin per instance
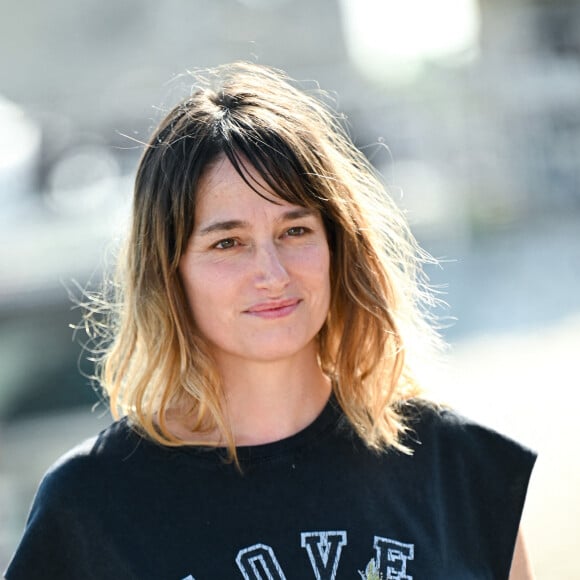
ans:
(328, 418)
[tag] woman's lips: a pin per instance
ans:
(274, 309)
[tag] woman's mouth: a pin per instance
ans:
(274, 308)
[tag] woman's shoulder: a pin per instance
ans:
(450, 436)
(70, 504)
(87, 463)
(116, 440)
(442, 421)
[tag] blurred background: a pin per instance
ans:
(471, 111)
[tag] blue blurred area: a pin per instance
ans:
(512, 281)
(482, 150)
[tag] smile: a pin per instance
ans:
(274, 309)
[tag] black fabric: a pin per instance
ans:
(318, 504)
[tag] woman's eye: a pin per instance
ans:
(296, 231)
(225, 244)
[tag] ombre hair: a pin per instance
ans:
(154, 357)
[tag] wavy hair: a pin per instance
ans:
(155, 359)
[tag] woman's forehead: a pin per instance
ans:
(229, 178)
(221, 178)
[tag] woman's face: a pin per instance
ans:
(256, 273)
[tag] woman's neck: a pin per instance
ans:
(267, 402)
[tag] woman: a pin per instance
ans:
(262, 357)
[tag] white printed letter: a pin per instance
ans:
(324, 549)
(393, 555)
(258, 562)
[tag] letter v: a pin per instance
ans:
(324, 550)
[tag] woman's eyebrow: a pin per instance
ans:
(228, 225)
(299, 212)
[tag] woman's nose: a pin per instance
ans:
(270, 270)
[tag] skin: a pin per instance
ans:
(256, 276)
(521, 568)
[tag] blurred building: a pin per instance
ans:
(473, 144)
(494, 139)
